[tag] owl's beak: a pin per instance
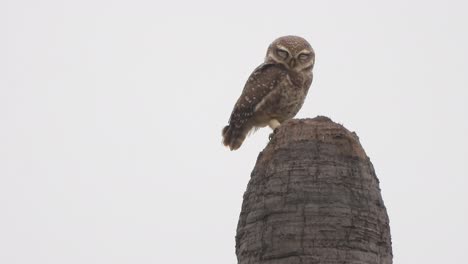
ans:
(292, 63)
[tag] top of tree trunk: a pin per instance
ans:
(313, 197)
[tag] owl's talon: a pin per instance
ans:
(272, 134)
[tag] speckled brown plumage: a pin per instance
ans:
(274, 92)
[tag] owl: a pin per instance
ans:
(274, 92)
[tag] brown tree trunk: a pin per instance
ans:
(313, 197)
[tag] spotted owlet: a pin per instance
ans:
(274, 92)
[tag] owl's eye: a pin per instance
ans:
(282, 53)
(304, 57)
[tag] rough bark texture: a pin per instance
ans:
(313, 197)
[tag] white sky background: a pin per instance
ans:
(111, 115)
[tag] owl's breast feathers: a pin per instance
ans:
(299, 80)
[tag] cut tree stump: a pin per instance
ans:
(313, 197)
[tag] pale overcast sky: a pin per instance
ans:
(111, 115)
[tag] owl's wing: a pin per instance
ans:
(263, 80)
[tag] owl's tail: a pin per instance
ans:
(234, 136)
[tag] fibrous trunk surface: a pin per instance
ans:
(313, 197)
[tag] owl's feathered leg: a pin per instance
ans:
(273, 124)
(234, 136)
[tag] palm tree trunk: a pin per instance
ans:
(313, 197)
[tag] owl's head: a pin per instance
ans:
(294, 52)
